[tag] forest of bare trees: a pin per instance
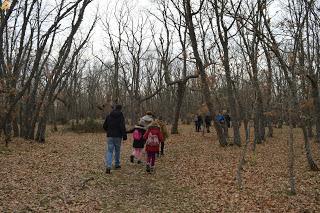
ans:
(178, 58)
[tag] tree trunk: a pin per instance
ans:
(203, 75)
(136, 112)
(316, 114)
(41, 131)
(54, 119)
(29, 117)
(8, 118)
(180, 96)
(15, 126)
(132, 112)
(309, 126)
(43, 118)
(256, 123)
(116, 90)
(269, 92)
(231, 99)
(8, 129)
(313, 166)
(30, 109)
(292, 181)
(242, 159)
(259, 131)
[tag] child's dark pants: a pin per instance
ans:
(151, 158)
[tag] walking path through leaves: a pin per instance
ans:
(195, 175)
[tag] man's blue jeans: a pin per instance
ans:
(113, 144)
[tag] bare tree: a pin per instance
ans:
(299, 17)
(188, 14)
(220, 11)
(251, 45)
(121, 14)
(167, 59)
(34, 43)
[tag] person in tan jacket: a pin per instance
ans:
(164, 131)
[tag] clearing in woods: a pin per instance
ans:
(195, 175)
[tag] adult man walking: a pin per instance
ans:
(207, 121)
(114, 125)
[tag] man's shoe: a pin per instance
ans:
(131, 158)
(148, 169)
(108, 170)
(117, 167)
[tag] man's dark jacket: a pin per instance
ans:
(114, 125)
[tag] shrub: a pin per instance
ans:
(89, 126)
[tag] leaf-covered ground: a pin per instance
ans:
(195, 175)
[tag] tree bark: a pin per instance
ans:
(311, 163)
(41, 131)
(203, 75)
(179, 98)
(54, 118)
(292, 178)
(231, 99)
(316, 103)
(259, 131)
(269, 91)
(15, 125)
(242, 159)
(8, 129)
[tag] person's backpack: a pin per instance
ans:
(137, 135)
(152, 140)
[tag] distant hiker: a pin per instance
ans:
(114, 125)
(153, 138)
(138, 142)
(199, 123)
(147, 118)
(222, 121)
(220, 118)
(164, 132)
(227, 119)
(207, 121)
(196, 122)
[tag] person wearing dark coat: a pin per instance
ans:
(220, 118)
(227, 119)
(114, 125)
(199, 123)
(207, 121)
(138, 142)
(196, 122)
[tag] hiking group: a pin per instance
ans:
(149, 134)
(222, 118)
